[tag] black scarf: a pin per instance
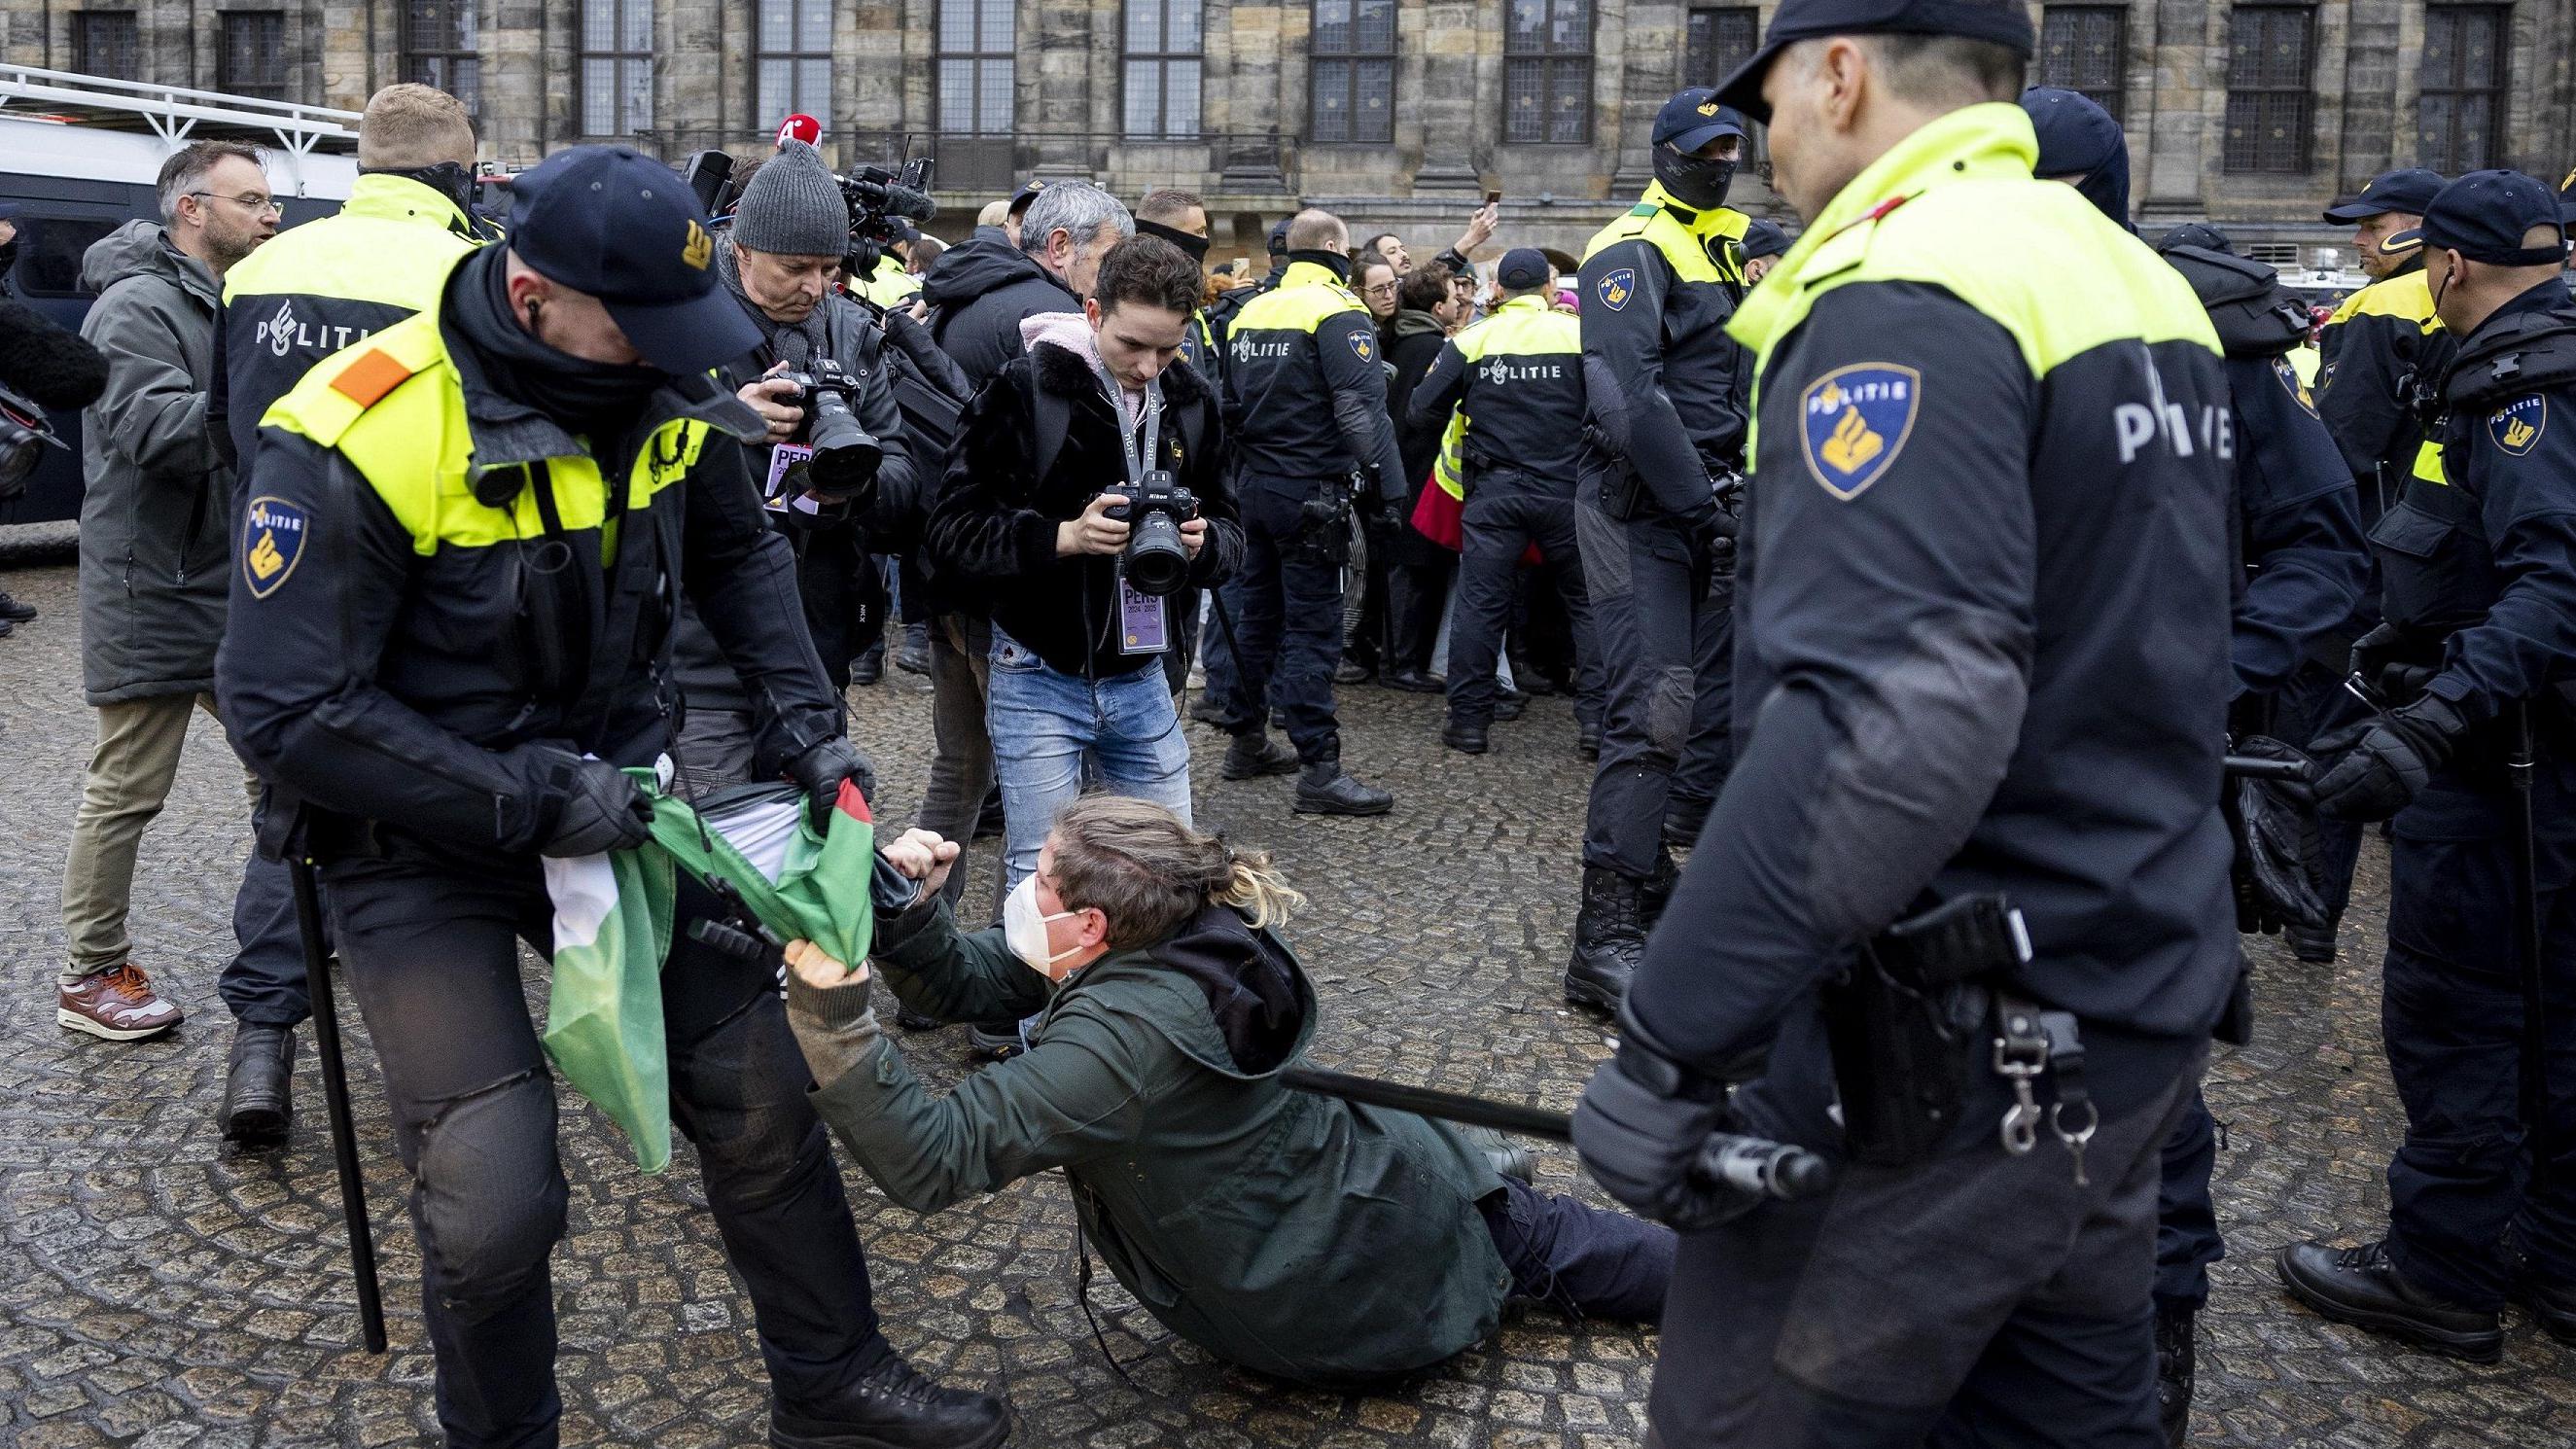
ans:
(593, 399)
(1333, 262)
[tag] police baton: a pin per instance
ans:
(335, 1102)
(2249, 767)
(2518, 768)
(1752, 1165)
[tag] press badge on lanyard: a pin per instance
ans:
(1143, 626)
(785, 486)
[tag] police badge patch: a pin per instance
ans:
(2289, 377)
(273, 533)
(1855, 421)
(2517, 426)
(1617, 288)
(1361, 344)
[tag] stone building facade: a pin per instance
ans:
(1400, 113)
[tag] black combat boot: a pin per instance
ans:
(1609, 939)
(2314, 944)
(1587, 739)
(2360, 1286)
(1328, 789)
(869, 666)
(1683, 819)
(892, 1407)
(1657, 892)
(1466, 737)
(257, 1091)
(914, 656)
(2176, 1361)
(1254, 754)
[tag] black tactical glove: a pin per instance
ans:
(600, 809)
(2275, 835)
(2385, 761)
(821, 769)
(1641, 1127)
(2379, 659)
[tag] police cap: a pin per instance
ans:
(2410, 191)
(2196, 234)
(1524, 268)
(1021, 198)
(1279, 236)
(1694, 118)
(2484, 215)
(2567, 198)
(1764, 239)
(621, 226)
(2007, 25)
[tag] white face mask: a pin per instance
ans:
(1024, 929)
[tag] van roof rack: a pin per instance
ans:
(176, 114)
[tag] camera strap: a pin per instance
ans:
(1144, 625)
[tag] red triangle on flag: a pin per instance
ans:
(852, 803)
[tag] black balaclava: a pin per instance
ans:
(2078, 139)
(1695, 181)
(1334, 262)
(595, 399)
(447, 178)
(1196, 246)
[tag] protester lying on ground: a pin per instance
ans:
(1298, 1235)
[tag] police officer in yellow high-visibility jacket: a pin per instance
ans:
(1983, 599)
(1664, 429)
(465, 542)
(891, 285)
(2380, 338)
(1305, 399)
(312, 290)
(1516, 378)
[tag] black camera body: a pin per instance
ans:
(846, 455)
(1155, 561)
(876, 197)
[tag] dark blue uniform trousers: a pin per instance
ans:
(1666, 644)
(2451, 1014)
(1978, 1299)
(1503, 517)
(263, 985)
(1287, 606)
(432, 950)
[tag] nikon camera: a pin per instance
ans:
(1155, 560)
(844, 466)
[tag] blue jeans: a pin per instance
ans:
(1051, 730)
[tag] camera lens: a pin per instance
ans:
(845, 458)
(1156, 563)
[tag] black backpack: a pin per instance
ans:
(2255, 315)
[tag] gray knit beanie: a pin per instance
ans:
(793, 207)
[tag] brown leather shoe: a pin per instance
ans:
(119, 1005)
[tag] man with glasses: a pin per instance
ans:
(153, 544)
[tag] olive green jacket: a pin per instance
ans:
(1294, 1234)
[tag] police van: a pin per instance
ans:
(78, 156)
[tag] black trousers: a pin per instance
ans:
(1577, 1258)
(2463, 1203)
(1666, 637)
(1287, 607)
(1502, 520)
(1416, 592)
(431, 949)
(1978, 1300)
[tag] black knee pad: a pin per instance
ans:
(489, 1192)
(1670, 698)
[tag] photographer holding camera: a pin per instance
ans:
(1294, 1234)
(833, 465)
(1088, 499)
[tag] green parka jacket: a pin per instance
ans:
(1297, 1235)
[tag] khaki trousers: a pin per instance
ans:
(129, 777)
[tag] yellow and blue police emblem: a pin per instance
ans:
(2289, 377)
(1855, 421)
(1361, 344)
(2517, 426)
(1617, 287)
(273, 534)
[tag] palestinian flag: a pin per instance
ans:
(613, 930)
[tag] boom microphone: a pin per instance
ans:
(50, 365)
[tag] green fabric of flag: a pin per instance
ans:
(613, 929)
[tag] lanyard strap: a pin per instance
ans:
(1139, 457)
